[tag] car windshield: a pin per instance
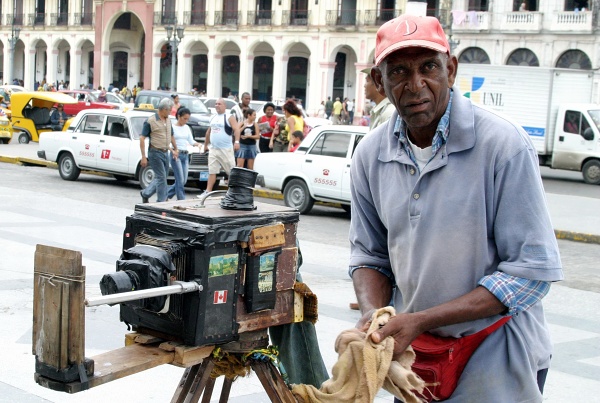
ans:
(595, 115)
(193, 104)
(136, 126)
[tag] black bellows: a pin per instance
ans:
(239, 195)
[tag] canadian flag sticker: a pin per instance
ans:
(220, 297)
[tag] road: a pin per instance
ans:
(89, 215)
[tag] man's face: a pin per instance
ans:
(417, 82)
(164, 113)
(370, 88)
(246, 100)
(220, 106)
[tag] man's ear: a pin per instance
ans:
(452, 67)
(377, 78)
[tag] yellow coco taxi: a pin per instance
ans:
(31, 113)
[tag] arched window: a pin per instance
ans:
(474, 56)
(523, 57)
(574, 59)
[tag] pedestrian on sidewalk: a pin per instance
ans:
(183, 137)
(218, 143)
(462, 243)
(159, 131)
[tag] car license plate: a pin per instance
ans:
(203, 176)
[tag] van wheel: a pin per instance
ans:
(296, 195)
(146, 176)
(67, 168)
(591, 172)
(23, 138)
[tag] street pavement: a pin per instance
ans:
(96, 230)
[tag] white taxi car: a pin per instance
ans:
(107, 140)
(318, 170)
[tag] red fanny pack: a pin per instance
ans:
(441, 360)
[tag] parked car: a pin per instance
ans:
(31, 113)
(116, 100)
(108, 141)
(318, 170)
(86, 99)
(210, 104)
(199, 118)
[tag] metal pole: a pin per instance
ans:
(173, 59)
(12, 43)
(178, 287)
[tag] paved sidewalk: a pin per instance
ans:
(574, 218)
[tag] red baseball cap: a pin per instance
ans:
(407, 31)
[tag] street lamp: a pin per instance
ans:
(12, 41)
(174, 36)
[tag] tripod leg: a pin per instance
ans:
(225, 390)
(273, 383)
(208, 390)
(200, 382)
(184, 384)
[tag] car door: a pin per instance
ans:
(325, 162)
(346, 175)
(85, 139)
(114, 145)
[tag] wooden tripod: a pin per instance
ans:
(196, 382)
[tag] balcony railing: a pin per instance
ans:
(165, 18)
(18, 19)
(59, 19)
(261, 18)
(522, 21)
(37, 19)
(194, 18)
(570, 21)
(342, 17)
(231, 18)
(379, 17)
(295, 17)
(83, 19)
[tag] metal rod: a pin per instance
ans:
(178, 287)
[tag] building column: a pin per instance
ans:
(98, 45)
(278, 72)
(186, 67)
(75, 79)
(29, 66)
(148, 57)
(155, 72)
(52, 58)
(246, 60)
(216, 65)
(327, 69)
(134, 67)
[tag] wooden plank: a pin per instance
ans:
(58, 335)
(117, 364)
(147, 339)
(290, 231)
(188, 355)
(282, 313)
(298, 307)
(49, 351)
(267, 237)
(287, 261)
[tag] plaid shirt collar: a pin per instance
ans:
(439, 139)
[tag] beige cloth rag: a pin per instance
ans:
(364, 367)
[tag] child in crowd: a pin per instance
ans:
(295, 140)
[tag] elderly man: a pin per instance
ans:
(158, 129)
(449, 221)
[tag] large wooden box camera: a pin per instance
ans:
(245, 262)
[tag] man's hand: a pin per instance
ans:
(144, 162)
(404, 328)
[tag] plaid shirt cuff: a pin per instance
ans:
(516, 293)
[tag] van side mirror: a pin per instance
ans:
(588, 134)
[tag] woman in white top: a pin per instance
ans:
(180, 164)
